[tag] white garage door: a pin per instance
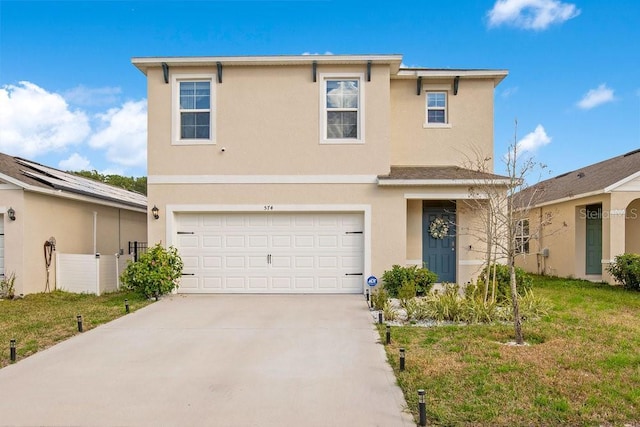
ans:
(271, 252)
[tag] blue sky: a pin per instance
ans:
(70, 98)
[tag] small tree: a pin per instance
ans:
(155, 273)
(501, 204)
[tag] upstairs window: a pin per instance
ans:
(437, 108)
(342, 110)
(194, 110)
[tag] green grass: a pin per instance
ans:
(582, 366)
(41, 320)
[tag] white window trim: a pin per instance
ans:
(175, 109)
(323, 108)
(523, 241)
(447, 120)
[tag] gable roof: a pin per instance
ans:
(438, 175)
(597, 178)
(36, 177)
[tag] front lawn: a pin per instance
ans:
(582, 366)
(41, 320)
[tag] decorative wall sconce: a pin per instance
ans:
(155, 212)
(12, 214)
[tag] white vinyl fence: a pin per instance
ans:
(89, 274)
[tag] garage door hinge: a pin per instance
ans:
(353, 274)
(188, 274)
(186, 232)
(353, 232)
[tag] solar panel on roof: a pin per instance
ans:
(81, 185)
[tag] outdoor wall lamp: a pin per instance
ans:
(155, 212)
(12, 214)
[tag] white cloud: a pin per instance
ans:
(124, 134)
(34, 121)
(85, 96)
(75, 162)
(510, 91)
(533, 140)
(316, 53)
(598, 96)
(531, 14)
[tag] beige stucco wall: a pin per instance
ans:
(565, 237)
(632, 227)
(261, 139)
(39, 217)
(470, 114)
(396, 224)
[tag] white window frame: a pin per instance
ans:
(522, 240)
(176, 79)
(324, 78)
(445, 109)
(432, 87)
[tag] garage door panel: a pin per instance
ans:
(303, 262)
(188, 283)
(212, 282)
(188, 241)
(210, 262)
(328, 242)
(258, 283)
(214, 242)
(258, 241)
(235, 283)
(257, 261)
(327, 283)
(282, 283)
(231, 262)
(351, 283)
(271, 252)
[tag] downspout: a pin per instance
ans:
(95, 232)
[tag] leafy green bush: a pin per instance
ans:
(389, 312)
(626, 270)
(379, 298)
(503, 281)
(156, 272)
(422, 278)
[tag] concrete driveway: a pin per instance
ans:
(224, 360)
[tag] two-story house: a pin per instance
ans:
(308, 174)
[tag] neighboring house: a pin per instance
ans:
(308, 174)
(594, 216)
(83, 216)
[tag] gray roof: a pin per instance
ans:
(585, 180)
(32, 175)
(429, 173)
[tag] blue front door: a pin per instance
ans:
(593, 239)
(439, 241)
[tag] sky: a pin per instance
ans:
(70, 98)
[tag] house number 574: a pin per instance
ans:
(268, 207)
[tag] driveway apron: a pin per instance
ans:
(221, 360)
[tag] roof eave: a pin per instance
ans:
(144, 63)
(411, 73)
(390, 182)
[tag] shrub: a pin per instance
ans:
(379, 298)
(421, 277)
(475, 310)
(7, 286)
(503, 281)
(389, 312)
(156, 272)
(533, 307)
(626, 270)
(406, 292)
(447, 305)
(416, 309)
